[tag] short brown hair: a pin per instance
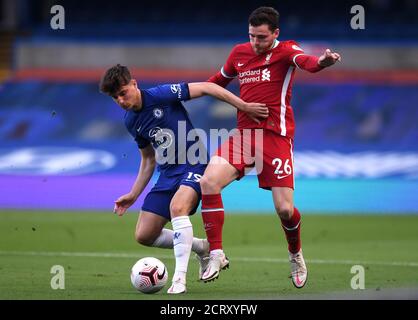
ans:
(265, 15)
(115, 78)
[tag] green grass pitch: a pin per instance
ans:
(97, 250)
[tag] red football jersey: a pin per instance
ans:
(265, 78)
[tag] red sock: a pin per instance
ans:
(292, 230)
(213, 218)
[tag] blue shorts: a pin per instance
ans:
(159, 198)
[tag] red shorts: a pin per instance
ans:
(266, 152)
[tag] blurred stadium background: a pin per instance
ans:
(357, 123)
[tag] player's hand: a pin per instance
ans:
(123, 203)
(256, 111)
(328, 58)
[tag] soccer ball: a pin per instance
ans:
(149, 275)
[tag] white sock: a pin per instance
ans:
(182, 241)
(164, 240)
(216, 252)
(200, 246)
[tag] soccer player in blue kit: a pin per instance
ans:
(153, 118)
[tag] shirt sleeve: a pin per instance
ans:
(227, 72)
(169, 93)
(293, 50)
(299, 59)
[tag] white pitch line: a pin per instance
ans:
(241, 259)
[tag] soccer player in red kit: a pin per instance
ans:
(265, 68)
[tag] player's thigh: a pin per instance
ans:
(283, 201)
(277, 162)
(219, 172)
(149, 226)
(184, 201)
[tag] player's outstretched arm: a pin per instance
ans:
(315, 64)
(144, 175)
(220, 79)
(253, 109)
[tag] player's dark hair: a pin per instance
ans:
(115, 78)
(265, 15)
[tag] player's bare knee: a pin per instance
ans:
(204, 183)
(209, 186)
(177, 210)
(285, 211)
(143, 239)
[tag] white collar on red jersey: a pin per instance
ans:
(275, 44)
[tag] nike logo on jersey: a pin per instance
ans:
(295, 47)
(282, 177)
(240, 64)
(139, 129)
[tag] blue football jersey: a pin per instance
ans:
(164, 122)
